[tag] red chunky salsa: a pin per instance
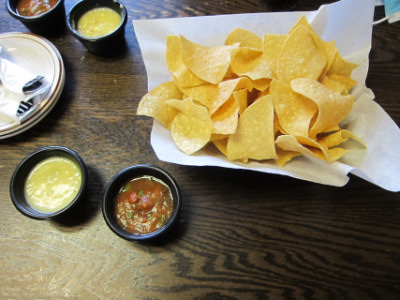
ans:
(143, 205)
(31, 8)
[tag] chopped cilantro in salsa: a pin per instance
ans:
(143, 205)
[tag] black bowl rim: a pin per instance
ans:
(173, 185)
(32, 155)
(16, 15)
(93, 39)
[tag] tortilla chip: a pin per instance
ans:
(215, 95)
(225, 119)
(240, 97)
(173, 57)
(341, 66)
(329, 47)
(294, 111)
(334, 86)
(344, 80)
(192, 126)
(245, 38)
(331, 51)
(154, 105)
(250, 63)
(339, 137)
(208, 63)
(221, 145)
(285, 156)
(272, 47)
(301, 22)
(309, 147)
(332, 107)
(301, 57)
(254, 138)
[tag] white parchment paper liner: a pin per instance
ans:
(349, 24)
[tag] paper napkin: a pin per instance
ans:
(20, 90)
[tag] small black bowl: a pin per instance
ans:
(101, 44)
(119, 180)
(27, 164)
(49, 22)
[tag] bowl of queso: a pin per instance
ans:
(48, 182)
(141, 202)
(40, 16)
(99, 25)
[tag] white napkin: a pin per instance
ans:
(17, 102)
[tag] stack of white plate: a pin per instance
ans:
(39, 56)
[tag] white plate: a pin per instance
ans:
(39, 56)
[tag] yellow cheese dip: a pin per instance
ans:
(53, 184)
(98, 22)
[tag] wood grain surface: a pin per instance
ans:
(240, 235)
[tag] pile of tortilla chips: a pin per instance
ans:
(254, 98)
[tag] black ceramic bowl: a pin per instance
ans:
(119, 180)
(27, 164)
(48, 22)
(105, 43)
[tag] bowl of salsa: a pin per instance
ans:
(98, 24)
(39, 16)
(141, 202)
(48, 182)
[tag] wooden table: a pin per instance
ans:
(241, 235)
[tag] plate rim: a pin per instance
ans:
(57, 85)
